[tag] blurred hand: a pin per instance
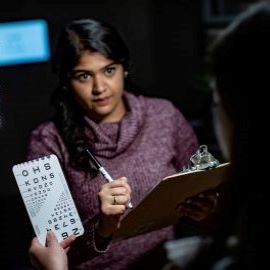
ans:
(51, 257)
(114, 198)
(199, 207)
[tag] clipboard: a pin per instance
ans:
(158, 208)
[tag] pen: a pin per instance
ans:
(101, 169)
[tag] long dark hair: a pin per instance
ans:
(77, 37)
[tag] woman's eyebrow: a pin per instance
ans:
(76, 71)
(111, 64)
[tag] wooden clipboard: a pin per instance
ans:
(158, 209)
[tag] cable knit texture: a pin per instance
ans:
(153, 140)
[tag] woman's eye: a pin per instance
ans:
(110, 71)
(83, 77)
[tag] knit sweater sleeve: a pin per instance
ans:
(89, 245)
(43, 141)
(185, 139)
(181, 135)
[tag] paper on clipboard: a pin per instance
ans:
(158, 208)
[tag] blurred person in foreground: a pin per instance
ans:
(238, 59)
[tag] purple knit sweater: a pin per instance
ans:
(153, 140)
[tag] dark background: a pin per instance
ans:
(167, 41)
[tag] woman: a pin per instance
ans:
(139, 140)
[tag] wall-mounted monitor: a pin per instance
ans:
(25, 41)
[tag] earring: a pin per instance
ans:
(125, 74)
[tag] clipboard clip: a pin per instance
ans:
(201, 160)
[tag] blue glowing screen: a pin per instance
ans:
(24, 42)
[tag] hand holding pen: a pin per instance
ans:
(103, 171)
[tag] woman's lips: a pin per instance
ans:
(102, 101)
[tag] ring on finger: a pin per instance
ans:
(114, 200)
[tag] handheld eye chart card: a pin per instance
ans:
(47, 198)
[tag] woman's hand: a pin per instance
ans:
(199, 207)
(114, 198)
(51, 257)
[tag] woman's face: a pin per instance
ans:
(97, 84)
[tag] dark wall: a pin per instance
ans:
(164, 38)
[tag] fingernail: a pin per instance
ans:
(49, 234)
(201, 195)
(188, 201)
